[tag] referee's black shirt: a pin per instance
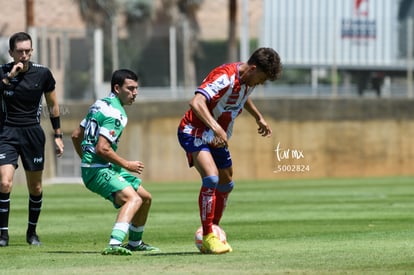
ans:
(21, 101)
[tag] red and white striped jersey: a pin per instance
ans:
(226, 97)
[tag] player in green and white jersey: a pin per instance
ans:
(108, 174)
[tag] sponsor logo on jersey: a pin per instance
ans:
(233, 108)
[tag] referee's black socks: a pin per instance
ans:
(4, 214)
(35, 206)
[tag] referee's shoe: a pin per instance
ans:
(4, 241)
(33, 239)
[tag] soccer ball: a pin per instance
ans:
(217, 230)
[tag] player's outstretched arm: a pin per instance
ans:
(264, 129)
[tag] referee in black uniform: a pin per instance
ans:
(22, 84)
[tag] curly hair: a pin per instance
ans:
(268, 61)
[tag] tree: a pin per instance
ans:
(232, 42)
(138, 13)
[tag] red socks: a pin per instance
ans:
(222, 193)
(206, 203)
(212, 202)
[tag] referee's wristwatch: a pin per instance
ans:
(59, 136)
(7, 78)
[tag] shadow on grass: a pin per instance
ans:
(171, 253)
(73, 252)
(142, 253)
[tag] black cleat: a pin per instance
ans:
(33, 239)
(4, 241)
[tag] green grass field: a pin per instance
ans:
(327, 226)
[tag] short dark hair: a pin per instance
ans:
(17, 37)
(119, 76)
(268, 61)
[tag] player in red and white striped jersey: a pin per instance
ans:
(207, 126)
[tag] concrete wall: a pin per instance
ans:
(311, 138)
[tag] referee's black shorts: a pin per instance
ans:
(26, 142)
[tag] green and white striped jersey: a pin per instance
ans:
(106, 117)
